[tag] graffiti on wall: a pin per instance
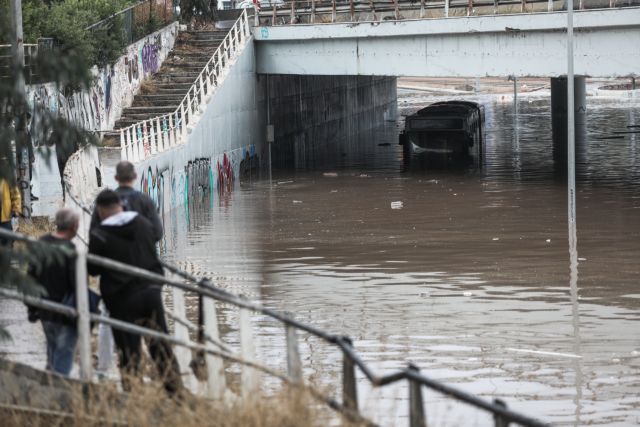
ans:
(98, 108)
(149, 54)
(199, 180)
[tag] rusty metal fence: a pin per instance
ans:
(290, 12)
(139, 20)
(203, 287)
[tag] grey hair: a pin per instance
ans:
(66, 219)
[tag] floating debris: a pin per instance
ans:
(330, 174)
(397, 205)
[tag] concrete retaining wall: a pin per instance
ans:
(96, 109)
(310, 110)
(227, 138)
(83, 179)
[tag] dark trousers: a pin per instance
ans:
(144, 307)
(6, 226)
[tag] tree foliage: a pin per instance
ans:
(66, 67)
(190, 9)
(66, 22)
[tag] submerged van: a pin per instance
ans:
(451, 129)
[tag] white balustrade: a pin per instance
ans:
(123, 150)
(155, 135)
(152, 138)
(201, 89)
(172, 139)
(129, 144)
(183, 128)
(159, 136)
(140, 141)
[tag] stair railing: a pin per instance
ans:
(148, 137)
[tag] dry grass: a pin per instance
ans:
(148, 405)
(36, 226)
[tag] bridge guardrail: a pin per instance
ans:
(148, 137)
(290, 12)
(205, 288)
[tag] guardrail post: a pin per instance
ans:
(249, 377)
(140, 142)
(498, 420)
(313, 11)
(352, 11)
(145, 140)
(216, 382)
(273, 14)
(202, 100)
(422, 10)
(550, 5)
(523, 6)
(180, 331)
(349, 389)
(495, 6)
(294, 366)
(130, 140)
(82, 306)
(333, 10)
(416, 406)
(189, 108)
(446, 8)
(152, 138)
(123, 150)
(470, 8)
(293, 12)
(396, 11)
(209, 80)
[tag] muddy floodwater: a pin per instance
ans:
(469, 279)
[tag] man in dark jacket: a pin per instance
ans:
(133, 200)
(127, 236)
(59, 281)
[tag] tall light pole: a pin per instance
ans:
(571, 137)
(20, 111)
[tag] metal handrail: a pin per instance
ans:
(147, 137)
(204, 287)
(294, 10)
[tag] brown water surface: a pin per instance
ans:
(469, 280)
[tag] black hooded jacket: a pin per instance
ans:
(58, 278)
(134, 200)
(126, 237)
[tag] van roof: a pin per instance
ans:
(445, 108)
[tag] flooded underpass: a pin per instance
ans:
(469, 279)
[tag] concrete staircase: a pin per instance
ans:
(163, 93)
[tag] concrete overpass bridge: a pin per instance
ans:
(519, 44)
(315, 71)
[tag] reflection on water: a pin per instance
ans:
(471, 279)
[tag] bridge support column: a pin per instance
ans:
(559, 118)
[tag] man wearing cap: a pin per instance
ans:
(133, 200)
